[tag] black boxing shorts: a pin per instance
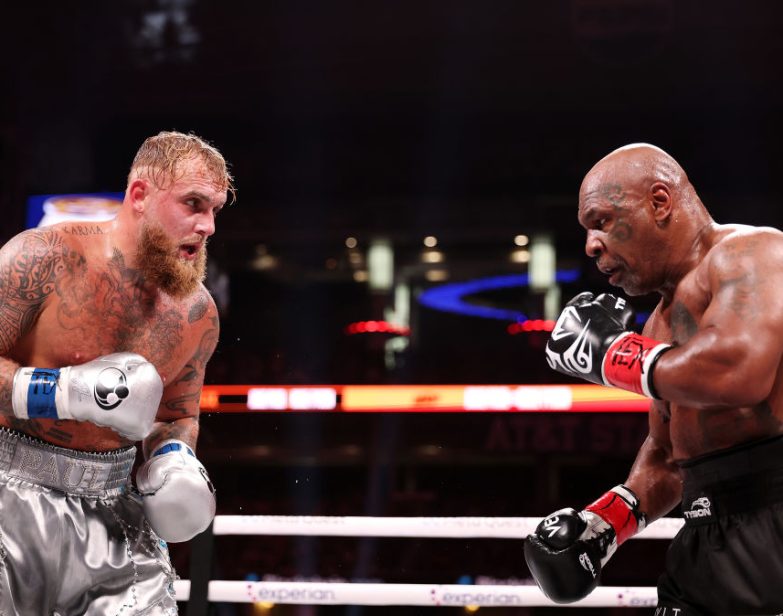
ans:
(728, 557)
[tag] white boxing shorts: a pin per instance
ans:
(73, 537)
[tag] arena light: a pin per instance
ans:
(542, 262)
(376, 327)
(380, 265)
(531, 325)
(452, 297)
(421, 398)
(291, 398)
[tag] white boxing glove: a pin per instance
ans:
(120, 391)
(178, 497)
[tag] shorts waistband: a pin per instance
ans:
(736, 480)
(75, 472)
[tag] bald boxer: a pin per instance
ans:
(710, 359)
(105, 332)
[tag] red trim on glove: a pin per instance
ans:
(628, 363)
(613, 509)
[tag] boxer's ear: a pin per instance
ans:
(137, 193)
(661, 201)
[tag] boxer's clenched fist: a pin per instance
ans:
(568, 549)
(120, 391)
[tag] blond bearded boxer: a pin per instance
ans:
(105, 332)
(711, 361)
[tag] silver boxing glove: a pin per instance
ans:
(178, 497)
(120, 391)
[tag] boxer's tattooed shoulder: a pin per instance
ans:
(737, 291)
(82, 230)
(737, 278)
(29, 266)
(199, 307)
(683, 325)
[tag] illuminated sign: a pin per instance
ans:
(43, 210)
(421, 398)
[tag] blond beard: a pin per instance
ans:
(159, 263)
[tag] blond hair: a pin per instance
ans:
(159, 156)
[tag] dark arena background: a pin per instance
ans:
(403, 236)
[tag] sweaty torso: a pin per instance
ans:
(94, 307)
(697, 431)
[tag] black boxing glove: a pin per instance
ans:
(568, 550)
(592, 340)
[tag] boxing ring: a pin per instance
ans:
(445, 595)
(200, 590)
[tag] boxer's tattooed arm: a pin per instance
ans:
(185, 430)
(738, 292)
(663, 409)
(186, 389)
(683, 324)
(179, 412)
(29, 266)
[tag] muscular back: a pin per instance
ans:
(68, 296)
(725, 319)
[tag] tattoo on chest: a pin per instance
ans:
(113, 308)
(683, 324)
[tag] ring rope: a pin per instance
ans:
(367, 526)
(345, 593)
(444, 595)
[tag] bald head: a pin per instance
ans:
(637, 166)
(641, 215)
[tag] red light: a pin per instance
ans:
(376, 327)
(531, 325)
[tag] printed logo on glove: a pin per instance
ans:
(569, 549)
(111, 388)
(592, 340)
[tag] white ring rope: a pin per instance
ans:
(340, 593)
(326, 593)
(360, 526)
